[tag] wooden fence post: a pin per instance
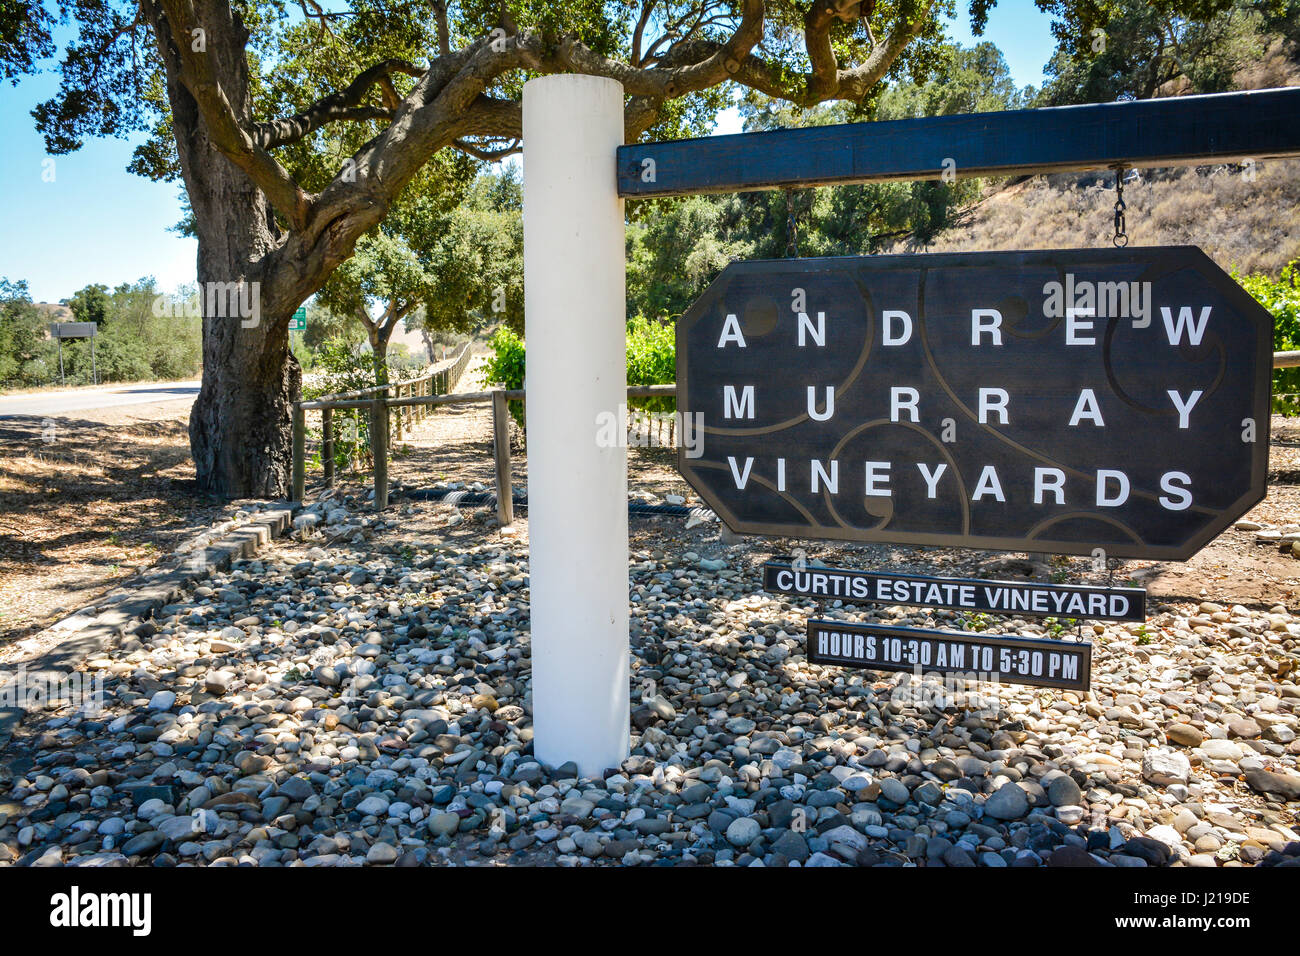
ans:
(397, 425)
(327, 445)
(299, 452)
(379, 449)
(501, 448)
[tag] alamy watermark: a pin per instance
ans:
(642, 429)
(976, 690)
(219, 300)
(77, 909)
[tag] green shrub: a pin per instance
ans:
(506, 366)
(340, 366)
(1282, 298)
(651, 360)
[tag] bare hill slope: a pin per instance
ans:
(1243, 218)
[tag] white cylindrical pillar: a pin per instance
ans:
(575, 316)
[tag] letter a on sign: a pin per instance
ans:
(731, 332)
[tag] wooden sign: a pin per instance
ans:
(1062, 401)
(961, 594)
(997, 658)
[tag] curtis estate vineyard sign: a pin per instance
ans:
(1059, 401)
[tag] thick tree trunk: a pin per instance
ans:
(240, 425)
(380, 333)
(380, 347)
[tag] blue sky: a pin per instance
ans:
(95, 222)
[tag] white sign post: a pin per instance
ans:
(575, 314)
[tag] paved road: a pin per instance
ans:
(70, 400)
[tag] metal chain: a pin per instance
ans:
(1121, 237)
(792, 227)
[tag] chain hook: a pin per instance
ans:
(1121, 236)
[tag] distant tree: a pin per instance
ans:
(22, 336)
(1133, 49)
(974, 79)
(141, 335)
(443, 262)
(677, 247)
(90, 304)
(478, 258)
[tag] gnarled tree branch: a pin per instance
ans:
(346, 104)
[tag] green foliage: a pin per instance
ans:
(1136, 49)
(134, 342)
(22, 349)
(340, 365)
(449, 259)
(506, 366)
(675, 248)
(325, 325)
(1281, 297)
(25, 37)
(1056, 627)
(90, 304)
(974, 79)
(651, 359)
(477, 258)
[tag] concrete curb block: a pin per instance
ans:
(136, 602)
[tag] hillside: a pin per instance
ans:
(1253, 226)
(1250, 225)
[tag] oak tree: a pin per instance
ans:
(244, 101)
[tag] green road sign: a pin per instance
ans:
(299, 321)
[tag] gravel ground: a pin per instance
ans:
(361, 697)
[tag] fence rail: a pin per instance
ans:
(1286, 359)
(499, 397)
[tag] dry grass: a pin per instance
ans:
(83, 513)
(1253, 226)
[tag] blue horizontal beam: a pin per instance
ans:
(1177, 131)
